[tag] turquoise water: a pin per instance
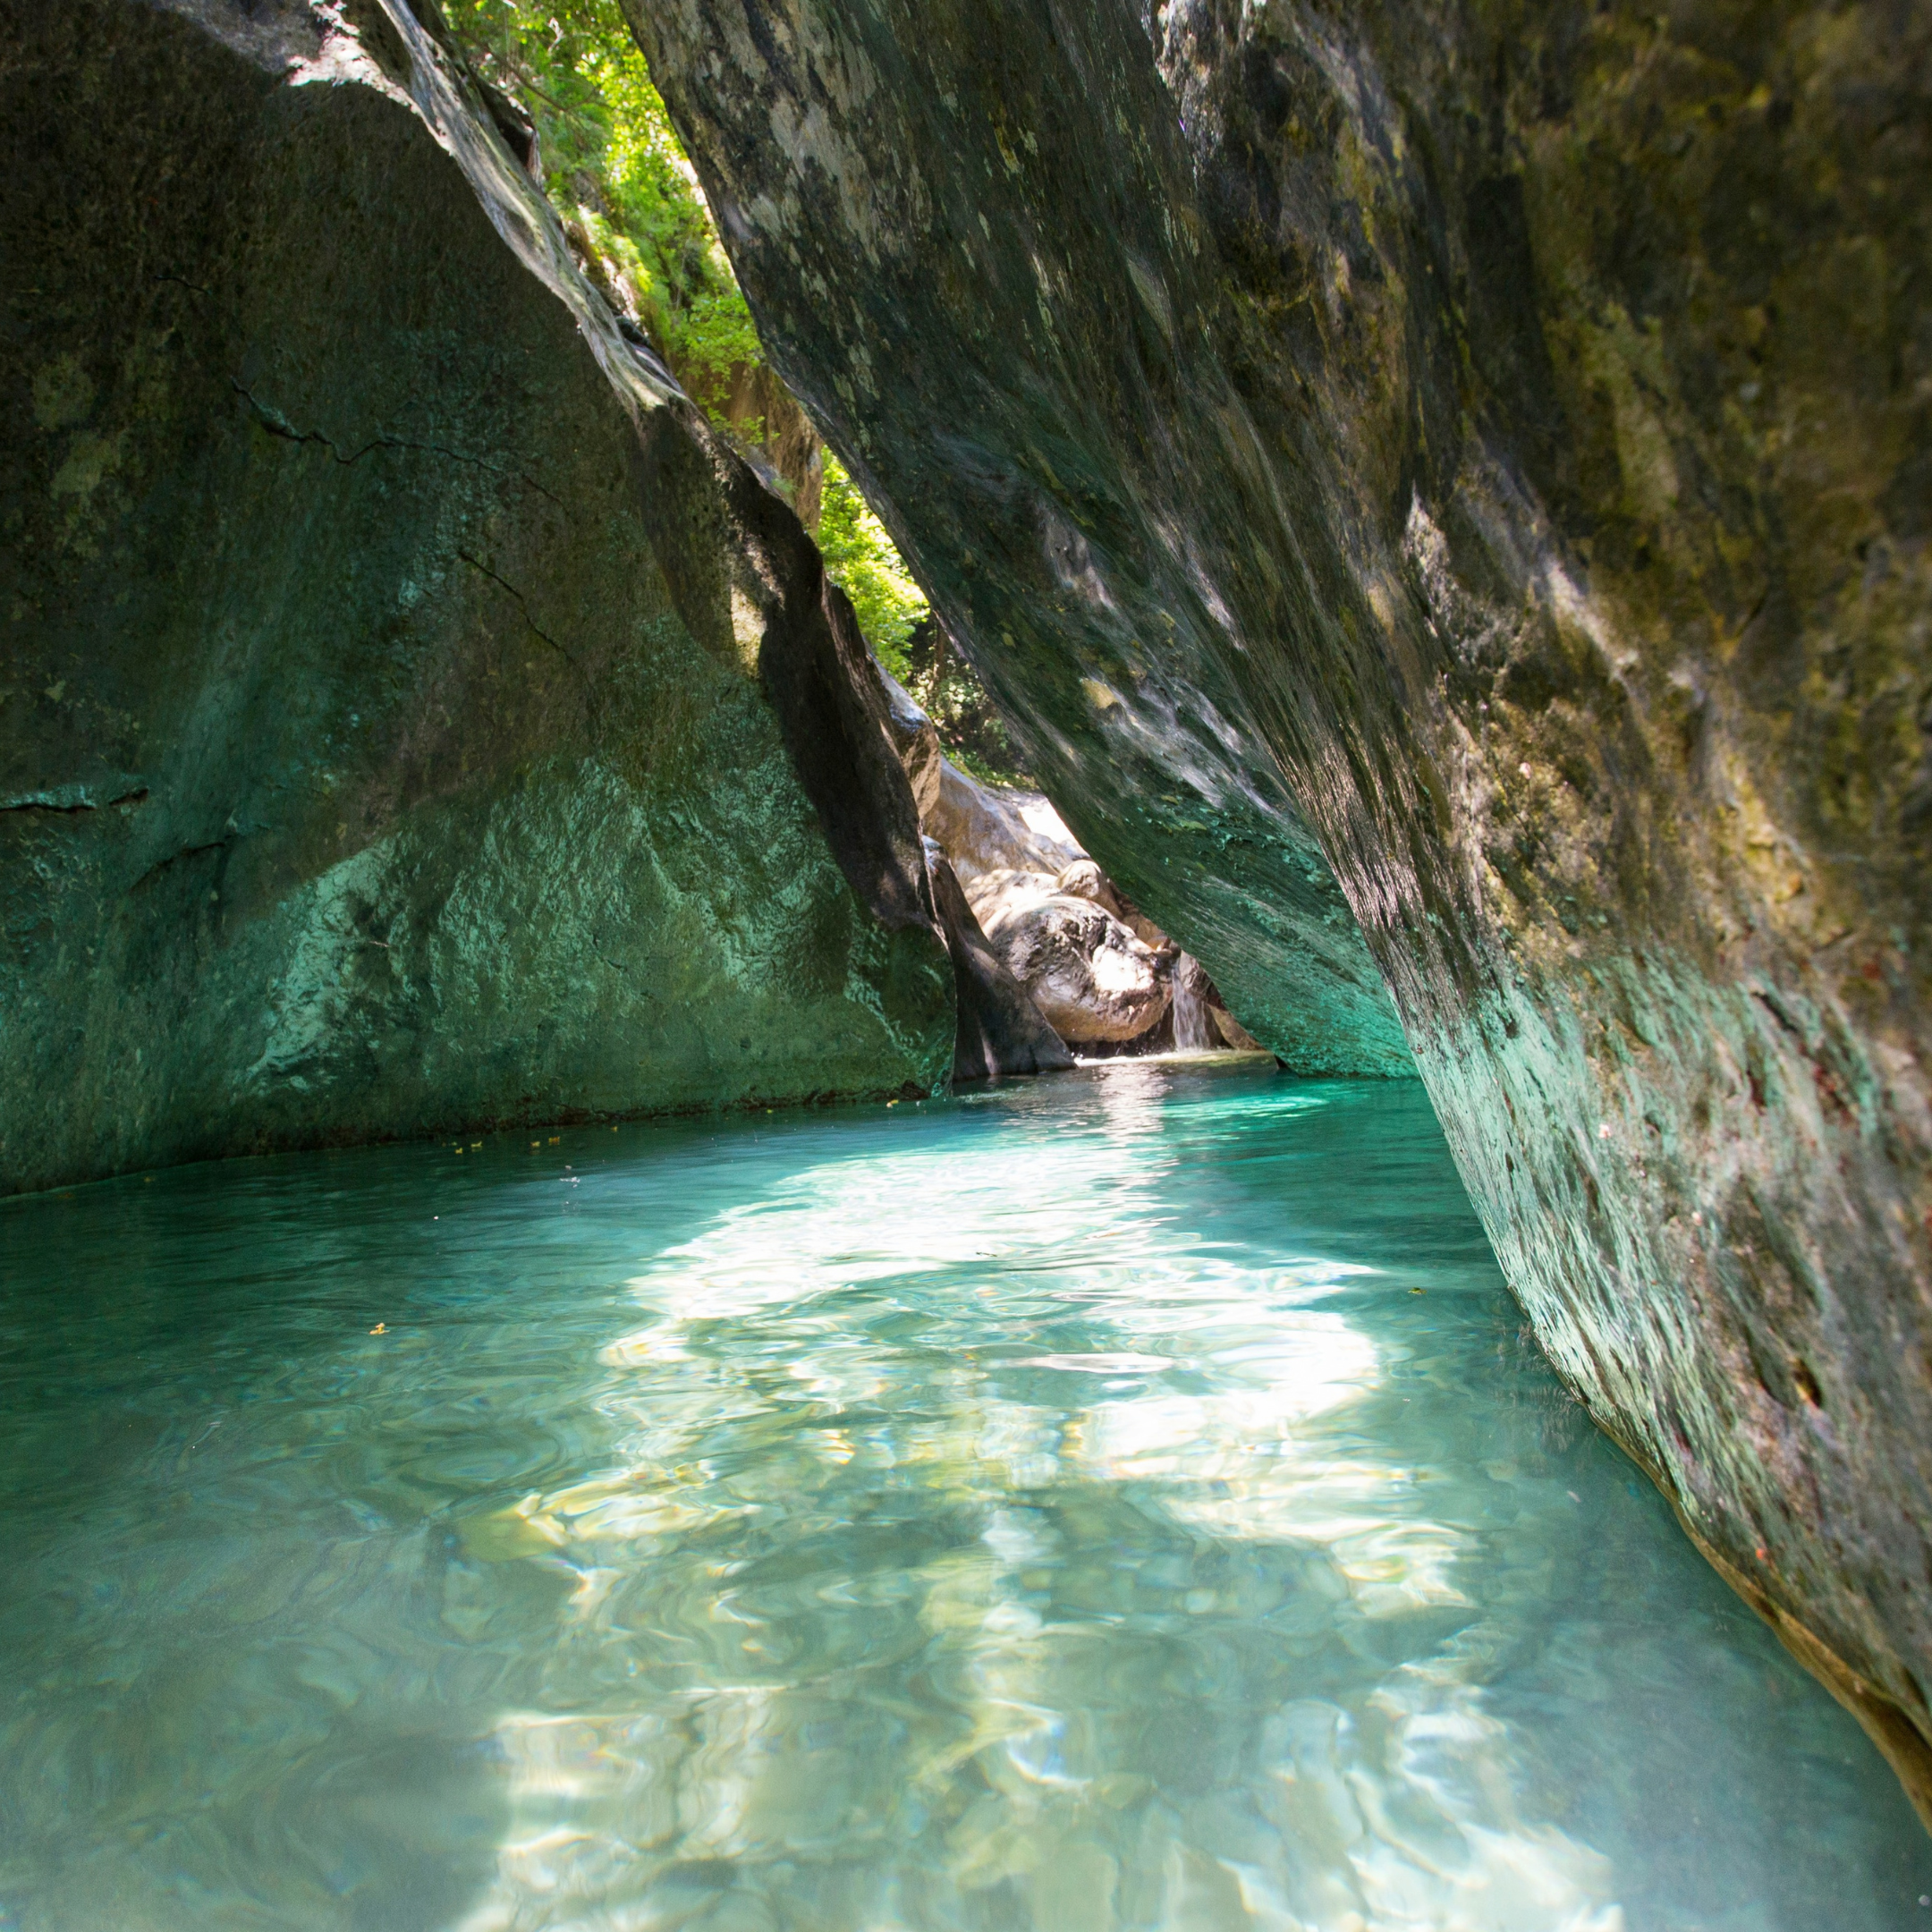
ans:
(1124, 1500)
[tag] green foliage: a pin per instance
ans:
(969, 726)
(861, 560)
(905, 636)
(618, 176)
(629, 200)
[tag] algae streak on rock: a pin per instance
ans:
(384, 745)
(1480, 459)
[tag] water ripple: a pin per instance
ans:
(1120, 1503)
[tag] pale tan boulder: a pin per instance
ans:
(1087, 972)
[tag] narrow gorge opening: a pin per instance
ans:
(570, 90)
(971, 983)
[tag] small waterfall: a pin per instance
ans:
(1194, 1030)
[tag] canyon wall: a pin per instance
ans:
(1478, 455)
(404, 696)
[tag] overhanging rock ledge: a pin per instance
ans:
(1479, 457)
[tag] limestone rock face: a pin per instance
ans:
(992, 834)
(1478, 459)
(397, 674)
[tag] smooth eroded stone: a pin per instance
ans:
(1468, 470)
(1096, 970)
(383, 748)
(1092, 977)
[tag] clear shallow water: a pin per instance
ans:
(1056, 1510)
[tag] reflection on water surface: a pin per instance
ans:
(1121, 1501)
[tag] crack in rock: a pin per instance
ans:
(278, 425)
(60, 804)
(510, 589)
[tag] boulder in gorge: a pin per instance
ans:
(1093, 979)
(414, 718)
(1092, 963)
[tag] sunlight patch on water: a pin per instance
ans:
(1216, 1432)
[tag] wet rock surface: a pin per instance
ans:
(1093, 978)
(1479, 461)
(1002, 1029)
(414, 718)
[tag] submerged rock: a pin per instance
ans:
(1479, 461)
(414, 718)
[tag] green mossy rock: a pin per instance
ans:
(1480, 456)
(382, 747)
